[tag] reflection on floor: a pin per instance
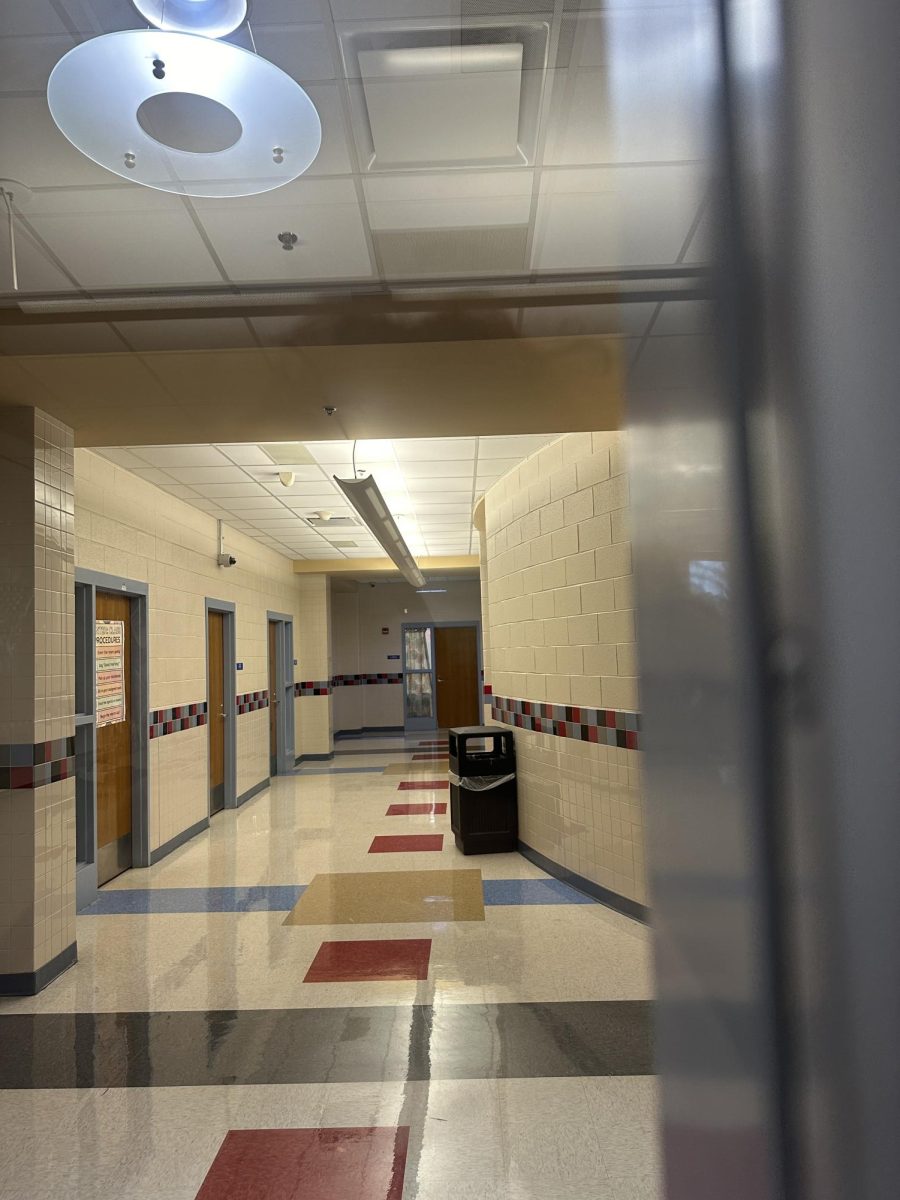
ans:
(275, 1011)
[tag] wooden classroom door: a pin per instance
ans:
(114, 750)
(215, 648)
(274, 698)
(456, 666)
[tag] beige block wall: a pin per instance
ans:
(560, 620)
(37, 684)
(313, 715)
(125, 526)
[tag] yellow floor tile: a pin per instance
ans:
(390, 896)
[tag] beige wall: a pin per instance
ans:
(560, 620)
(359, 646)
(125, 526)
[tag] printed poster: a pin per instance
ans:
(110, 672)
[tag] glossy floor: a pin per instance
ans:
(275, 1012)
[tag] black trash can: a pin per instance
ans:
(484, 813)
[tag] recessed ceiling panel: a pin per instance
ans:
(434, 104)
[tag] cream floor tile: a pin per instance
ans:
(487, 1139)
(253, 960)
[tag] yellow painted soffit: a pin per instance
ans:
(343, 566)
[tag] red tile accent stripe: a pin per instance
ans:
(406, 843)
(308, 1164)
(413, 810)
(429, 757)
(423, 785)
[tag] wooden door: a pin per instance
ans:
(274, 698)
(113, 763)
(456, 667)
(215, 649)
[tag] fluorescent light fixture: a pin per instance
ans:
(184, 114)
(430, 591)
(209, 18)
(364, 495)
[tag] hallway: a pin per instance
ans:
(324, 959)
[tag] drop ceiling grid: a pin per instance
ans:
(65, 180)
(248, 496)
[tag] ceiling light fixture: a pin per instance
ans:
(209, 18)
(184, 114)
(365, 496)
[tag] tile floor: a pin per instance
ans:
(273, 1011)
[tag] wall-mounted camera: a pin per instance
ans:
(226, 560)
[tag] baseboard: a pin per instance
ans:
(302, 758)
(369, 731)
(621, 904)
(29, 983)
(178, 840)
(253, 791)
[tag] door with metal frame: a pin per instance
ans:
(215, 648)
(456, 663)
(114, 776)
(274, 697)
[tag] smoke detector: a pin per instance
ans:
(286, 478)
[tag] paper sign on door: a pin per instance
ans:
(110, 672)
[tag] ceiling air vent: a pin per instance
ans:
(446, 95)
(332, 522)
(432, 104)
(288, 454)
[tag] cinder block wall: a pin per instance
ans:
(560, 619)
(128, 527)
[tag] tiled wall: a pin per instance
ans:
(560, 620)
(313, 724)
(37, 604)
(128, 527)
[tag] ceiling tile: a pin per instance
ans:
(246, 455)
(26, 63)
(232, 491)
(121, 457)
(435, 449)
(324, 215)
(181, 456)
(116, 245)
(614, 217)
(448, 200)
(428, 468)
(152, 475)
(199, 475)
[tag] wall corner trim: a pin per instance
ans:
(621, 904)
(29, 983)
(253, 791)
(178, 840)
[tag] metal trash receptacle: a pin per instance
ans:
(484, 814)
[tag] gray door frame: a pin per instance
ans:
(89, 583)
(228, 610)
(424, 724)
(282, 691)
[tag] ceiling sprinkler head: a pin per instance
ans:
(288, 240)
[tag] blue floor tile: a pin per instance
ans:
(277, 898)
(532, 891)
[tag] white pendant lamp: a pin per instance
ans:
(209, 18)
(184, 114)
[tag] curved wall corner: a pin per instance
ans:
(561, 669)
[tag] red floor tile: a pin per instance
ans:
(411, 810)
(443, 745)
(369, 962)
(429, 757)
(419, 785)
(308, 1164)
(406, 843)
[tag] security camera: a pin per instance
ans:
(226, 560)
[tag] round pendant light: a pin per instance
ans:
(209, 18)
(184, 114)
